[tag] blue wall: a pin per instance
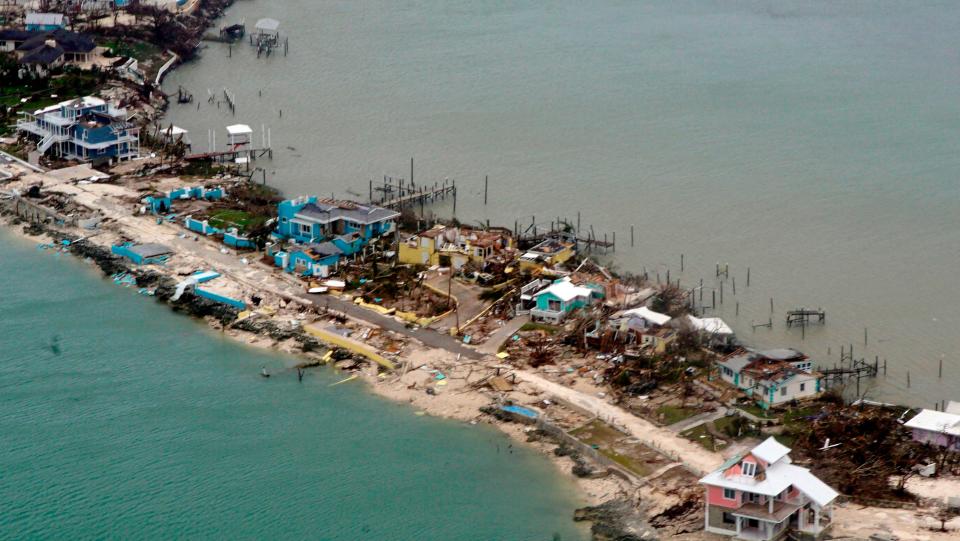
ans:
(239, 305)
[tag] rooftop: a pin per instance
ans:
(936, 421)
(550, 246)
(44, 19)
(329, 210)
(770, 450)
(564, 290)
(645, 313)
(70, 42)
(778, 476)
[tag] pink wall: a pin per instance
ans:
(715, 497)
(926, 436)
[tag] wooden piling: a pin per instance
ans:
(681, 262)
(940, 372)
(631, 236)
(748, 276)
(486, 181)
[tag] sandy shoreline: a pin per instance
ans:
(456, 400)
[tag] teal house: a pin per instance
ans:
(319, 232)
(309, 219)
(553, 304)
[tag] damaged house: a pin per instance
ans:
(772, 377)
(456, 246)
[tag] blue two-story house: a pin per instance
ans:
(309, 219)
(85, 129)
(324, 230)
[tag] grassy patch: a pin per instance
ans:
(67, 86)
(242, 220)
(617, 446)
(531, 326)
(798, 417)
(675, 414)
(699, 434)
(754, 409)
(140, 50)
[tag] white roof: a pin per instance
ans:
(645, 313)
(565, 291)
(936, 421)
(269, 25)
(239, 129)
(778, 478)
(174, 130)
(710, 325)
(953, 407)
(810, 485)
(45, 18)
(78, 103)
(770, 450)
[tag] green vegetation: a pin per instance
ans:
(611, 443)
(754, 409)
(200, 168)
(40, 93)
(140, 50)
(728, 428)
(531, 326)
(699, 434)
(240, 219)
(675, 414)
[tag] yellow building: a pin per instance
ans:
(454, 246)
(548, 253)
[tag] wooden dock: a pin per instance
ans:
(399, 193)
(804, 316)
(230, 155)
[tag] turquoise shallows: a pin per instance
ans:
(148, 425)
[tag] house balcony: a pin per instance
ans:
(552, 316)
(781, 511)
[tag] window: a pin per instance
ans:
(728, 518)
(284, 220)
(749, 468)
(553, 306)
(802, 387)
(783, 391)
(729, 494)
(305, 229)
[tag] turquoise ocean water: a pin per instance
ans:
(122, 420)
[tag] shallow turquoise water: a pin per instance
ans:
(120, 419)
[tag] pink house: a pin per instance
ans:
(762, 496)
(940, 428)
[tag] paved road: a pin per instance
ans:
(428, 337)
(468, 301)
(501, 335)
(698, 420)
(662, 439)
